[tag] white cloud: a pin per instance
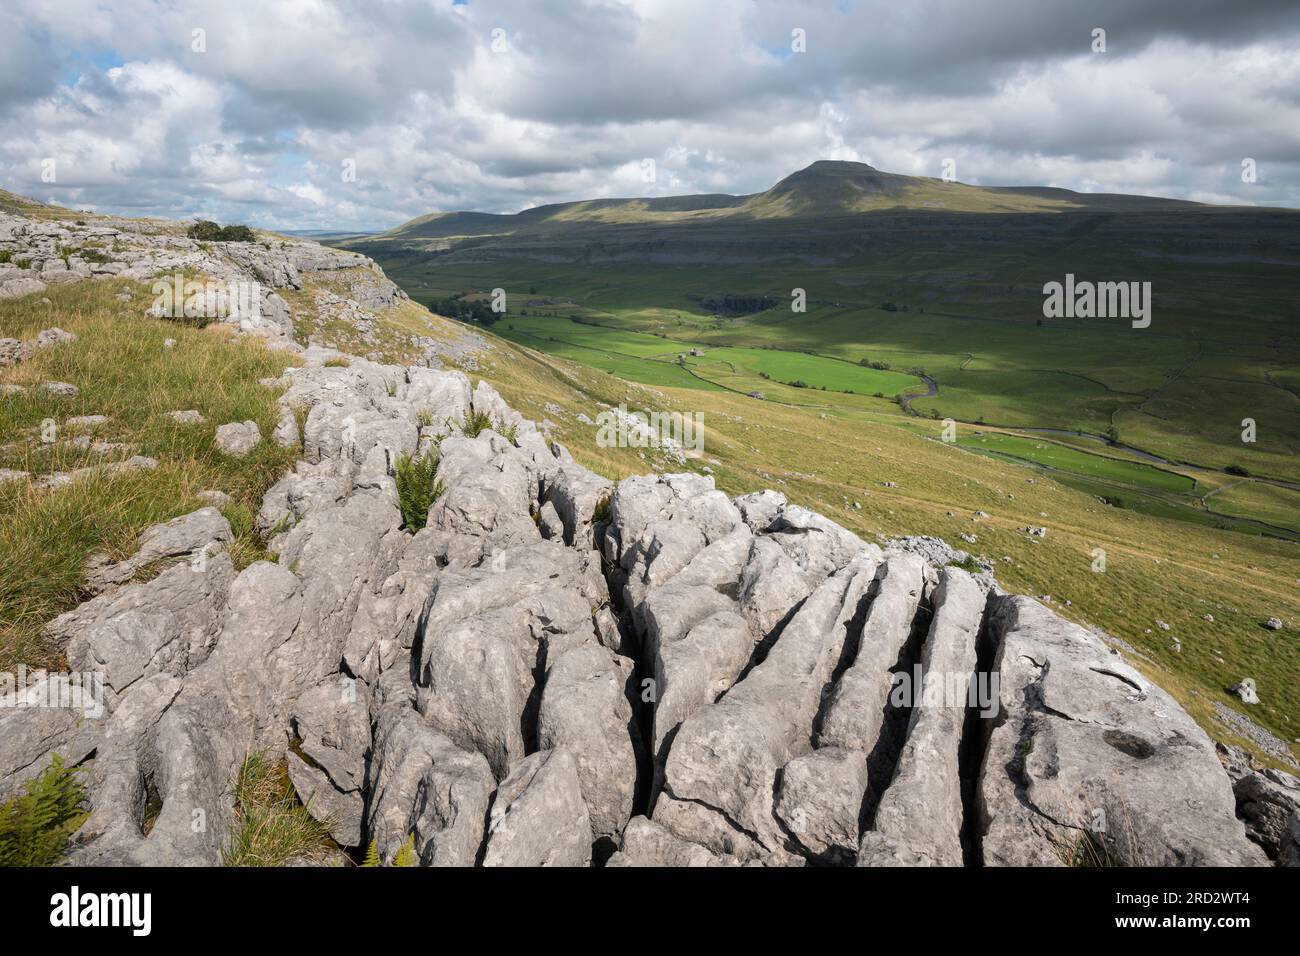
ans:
(310, 193)
(259, 126)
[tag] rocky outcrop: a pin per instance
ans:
(1088, 756)
(13, 351)
(555, 670)
(539, 817)
(48, 252)
(721, 771)
(423, 785)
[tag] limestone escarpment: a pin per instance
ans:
(557, 670)
(45, 252)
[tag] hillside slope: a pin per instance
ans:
(334, 555)
(883, 474)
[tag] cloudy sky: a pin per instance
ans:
(363, 113)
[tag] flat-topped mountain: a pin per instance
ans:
(826, 188)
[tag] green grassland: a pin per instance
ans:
(1143, 389)
(562, 338)
(815, 370)
(1250, 499)
(1076, 461)
(1179, 389)
(654, 359)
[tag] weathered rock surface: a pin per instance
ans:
(196, 536)
(1269, 802)
(423, 785)
(645, 843)
(188, 416)
(922, 808)
(169, 625)
(1088, 749)
(486, 635)
(539, 817)
(721, 770)
(331, 723)
(857, 706)
(585, 710)
(819, 802)
(238, 438)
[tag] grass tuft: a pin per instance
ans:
(509, 432)
(247, 546)
(273, 826)
(476, 422)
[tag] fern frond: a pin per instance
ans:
(406, 854)
(35, 825)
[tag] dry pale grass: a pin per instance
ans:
(122, 369)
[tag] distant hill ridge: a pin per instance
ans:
(826, 188)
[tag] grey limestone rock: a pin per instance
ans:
(238, 438)
(539, 817)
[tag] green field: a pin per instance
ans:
(814, 370)
(657, 360)
(663, 354)
(1075, 461)
(633, 368)
(1249, 499)
(973, 323)
(565, 332)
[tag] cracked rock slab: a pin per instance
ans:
(722, 766)
(423, 785)
(585, 710)
(922, 806)
(819, 801)
(539, 817)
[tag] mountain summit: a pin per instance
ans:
(831, 186)
(826, 188)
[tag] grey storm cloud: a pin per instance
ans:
(504, 105)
